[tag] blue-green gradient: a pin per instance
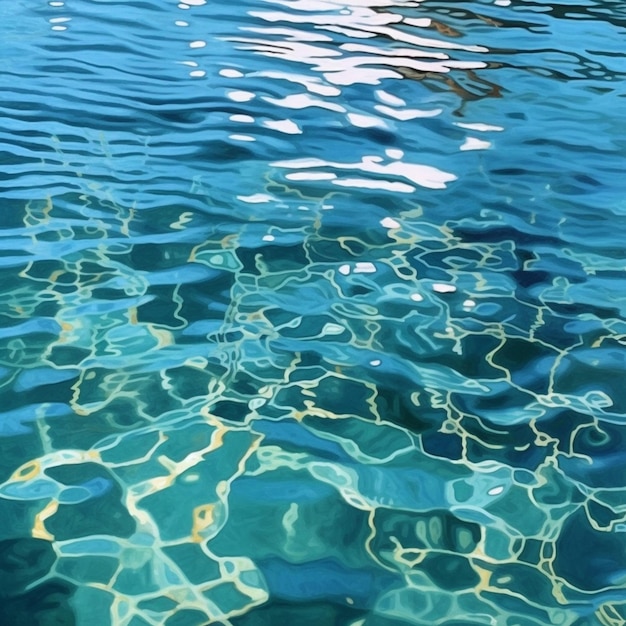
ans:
(313, 313)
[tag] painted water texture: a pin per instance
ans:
(313, 313)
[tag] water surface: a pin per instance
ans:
(314, 313)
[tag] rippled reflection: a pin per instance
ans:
(313, 313)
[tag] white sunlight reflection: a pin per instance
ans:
(310, 36)
(422, 175)
(357, 20)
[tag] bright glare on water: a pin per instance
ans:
(313, 313)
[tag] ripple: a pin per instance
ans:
(313, 312)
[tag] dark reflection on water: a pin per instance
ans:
(313, 313)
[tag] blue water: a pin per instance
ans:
(314, 313)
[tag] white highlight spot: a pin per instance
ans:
(365, 121)
(420, 22)
(197, 73)
(406, 114)
(393, 153)
(469, 303)
(256, 403)
(243, 119)
(473, 143)
(443, 288)
(197, 44)
(181, 23)
(268, 237)
(230, 73)
(364, 267)
(423, 175)
(312, 176)
(496, 491)
(417, 297)
(283, 126)
(241, 138)
(389, 222)
(304, 101)
(344, 269)
(478, 126)
(241, 96)
(312, 84)
(367, 183)
(390, 99)
(59, 28)
(256, 198)
(332, 329)
(375, 362)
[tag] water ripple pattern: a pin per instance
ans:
(314, 313)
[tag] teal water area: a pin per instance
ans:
(313, 313)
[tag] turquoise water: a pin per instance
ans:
(314, 313)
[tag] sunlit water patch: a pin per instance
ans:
(314, 313)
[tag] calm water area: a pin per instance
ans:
(313, 313)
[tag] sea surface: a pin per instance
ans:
(313, 313)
